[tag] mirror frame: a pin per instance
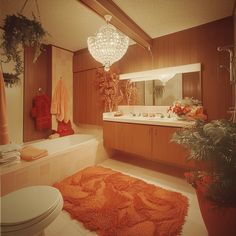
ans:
(152, 74)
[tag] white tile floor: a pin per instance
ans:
(193, 226)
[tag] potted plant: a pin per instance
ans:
(20, 31)
(213, 149)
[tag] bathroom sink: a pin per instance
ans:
(172, 121)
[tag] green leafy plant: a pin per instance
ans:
(11, 79)
(213, 148)
(20, 31)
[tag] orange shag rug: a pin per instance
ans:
(114, 204)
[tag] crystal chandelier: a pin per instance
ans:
(109, 45)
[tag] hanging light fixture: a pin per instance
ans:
(109, 45)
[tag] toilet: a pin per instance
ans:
(28, 211)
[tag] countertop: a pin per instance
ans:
(174, 122)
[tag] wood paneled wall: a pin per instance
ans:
(198, 44)
(191, 85)
(37, 75)
(87, 107)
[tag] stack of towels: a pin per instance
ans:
(9, 154)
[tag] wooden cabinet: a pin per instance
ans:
(149, 141)
(165, 150)
(132, 138)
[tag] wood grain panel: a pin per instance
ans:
(147, 141)
(87, 107)
(83, 60)
(191, 86)
(166, 151)
(131, 138)
(36, 75)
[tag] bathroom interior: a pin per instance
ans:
(69, 115)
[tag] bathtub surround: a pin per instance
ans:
(66, 156)
(4, 138)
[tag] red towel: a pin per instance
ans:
(64, 129)
(41, 112)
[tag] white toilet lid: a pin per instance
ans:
(28, 203)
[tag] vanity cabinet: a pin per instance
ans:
(149, 141)
(163, 149)
(132, 138)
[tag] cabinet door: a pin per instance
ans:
(132, 138)
(166, 151)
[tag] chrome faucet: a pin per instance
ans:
(159, 113)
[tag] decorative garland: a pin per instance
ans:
(20, 31)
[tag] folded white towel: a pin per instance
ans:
(9, 147)
(9, 154)
(8, 159)
(15, 159)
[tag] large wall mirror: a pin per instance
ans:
(161, 87)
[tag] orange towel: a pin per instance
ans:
(60, 102)
(4, 138)
(30, 153)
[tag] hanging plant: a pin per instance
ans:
(20, 31)
(11, 79)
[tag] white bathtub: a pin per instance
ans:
(63, 144)
(66, 155)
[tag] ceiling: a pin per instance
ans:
(70, 23)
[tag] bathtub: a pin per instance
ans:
(66, 155)
(63, 144)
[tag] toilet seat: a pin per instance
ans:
(30, 210)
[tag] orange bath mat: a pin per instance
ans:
(114, 204)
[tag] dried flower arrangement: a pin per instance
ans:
(130, 92)
(109, 89)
